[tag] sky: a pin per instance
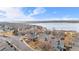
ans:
(15, 14)
(38, 13)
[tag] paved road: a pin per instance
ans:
(14, 40)
(4, 46)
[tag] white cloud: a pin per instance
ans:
(37, 11)
(70, 18)
(13, 14)
(63, 18)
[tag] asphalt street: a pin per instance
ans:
(15, 41)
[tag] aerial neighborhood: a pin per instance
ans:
(25, 37)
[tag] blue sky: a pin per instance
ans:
(54, 12)
(38, 13)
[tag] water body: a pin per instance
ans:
(59, 26)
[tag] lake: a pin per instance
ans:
(59, 26)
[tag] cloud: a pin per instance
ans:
(37, 11)
(2, 14)
(70, 18)
(13, 14)
(62, 18)
(16, 14)
(65, 18)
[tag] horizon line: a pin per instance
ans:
(53, 21)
